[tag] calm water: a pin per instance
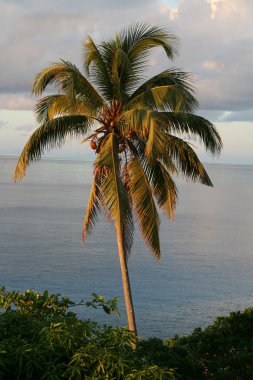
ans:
(207, 258)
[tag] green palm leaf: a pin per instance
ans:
(187, 160)
(114, 196)
(192, 126)
(168, 91)
(144, 205)
(135, 120)
(50, 135)
(140, 38)
(71, 82)
(165, 189)
(93, 206)
(156, 141)
(97, 68)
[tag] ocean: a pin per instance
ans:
(206, 266)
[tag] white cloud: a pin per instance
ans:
(12, 101)
(166, 9)
(213, 5)
(213, 65)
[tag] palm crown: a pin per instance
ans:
(136, 127)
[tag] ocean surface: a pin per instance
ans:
(206, 268)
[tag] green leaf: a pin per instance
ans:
(193, 126)
(144, 205)
(170, 90)
(50, 135)
(93, 206)
(187, 160)
(114, 196)
(71, 82)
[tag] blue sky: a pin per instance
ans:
(216, 39)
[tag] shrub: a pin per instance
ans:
(41, 339)
(223, 350)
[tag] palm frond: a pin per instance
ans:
(69, 80)
(147, 216)
(93, 206)
(97, 68)
(135, 44)
(52, 106)
(171, 90)
(139, 38)
(135, 120)
(165, 189)
(120, 65)
(192, 126)
(187, 160)
(50, 135)
(156, 141)
(114, 196)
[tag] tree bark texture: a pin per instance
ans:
(126, 284)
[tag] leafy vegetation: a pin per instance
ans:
(42, 338)
(138, 129)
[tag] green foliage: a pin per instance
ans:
(224, 350)
(41, 339)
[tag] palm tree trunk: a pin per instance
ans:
(126, 283)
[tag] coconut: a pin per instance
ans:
(93, 144)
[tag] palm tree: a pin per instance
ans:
(136, 127)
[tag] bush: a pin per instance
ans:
(41, 339)
(224, 350)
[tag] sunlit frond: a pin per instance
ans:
(156, 141)
(139, 38)
(114, 196)
(144, 206)
(93, 206)
(165, 189)
(50, 135)
(187, 160)
(170, 90)
(192, 126)
(135, 120)
(120, 65)
(69, 80)
(53, 106)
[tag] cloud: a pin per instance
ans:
(216, 38)
(237, 116)
(213, 5)
(3, 124)
(25, 128)
(166, 9)
(213, 65)
(19, 101)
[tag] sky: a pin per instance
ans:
(216, 40)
